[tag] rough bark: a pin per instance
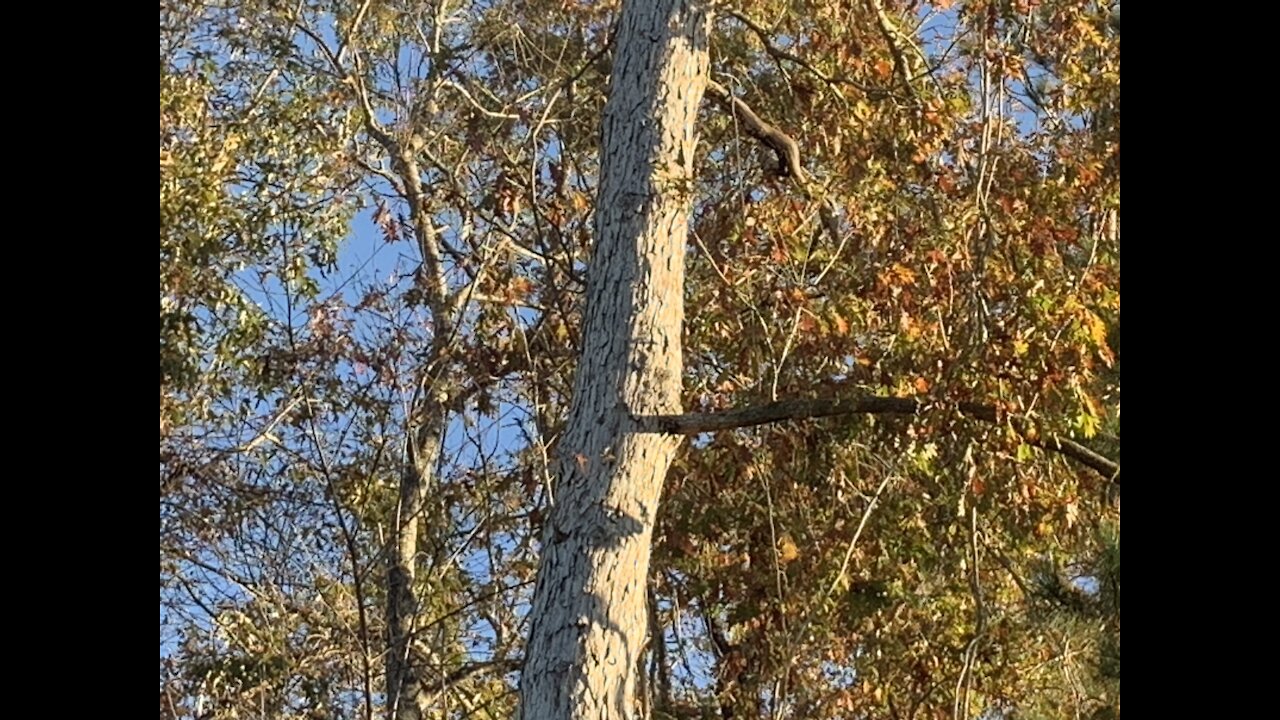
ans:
(588, 617)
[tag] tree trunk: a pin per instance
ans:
(589, 622)
(405, 662)
(405, 666)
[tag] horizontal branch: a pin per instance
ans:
(810, 409)
(804, 409)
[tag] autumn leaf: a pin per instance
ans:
(841, 325)
(977, 485)
(1071, 512)
(787, 550)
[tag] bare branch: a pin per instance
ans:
(476, 103)
(811, 409)
(345, 44)
(787, 150)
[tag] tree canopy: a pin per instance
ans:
(898, 494)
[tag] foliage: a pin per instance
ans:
(967, 155)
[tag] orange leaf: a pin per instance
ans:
(842, 325)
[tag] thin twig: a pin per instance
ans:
(866, 515)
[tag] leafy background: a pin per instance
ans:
(873, 566)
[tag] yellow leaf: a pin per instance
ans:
(787, 550)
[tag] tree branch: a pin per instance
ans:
(810, 409)
(779, 55)
(887, 31)
(787, 150)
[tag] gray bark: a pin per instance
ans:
(405, 663)
(405, 666)
(588, 618)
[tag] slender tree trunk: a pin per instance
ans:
(404, 663)
(589, 621)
